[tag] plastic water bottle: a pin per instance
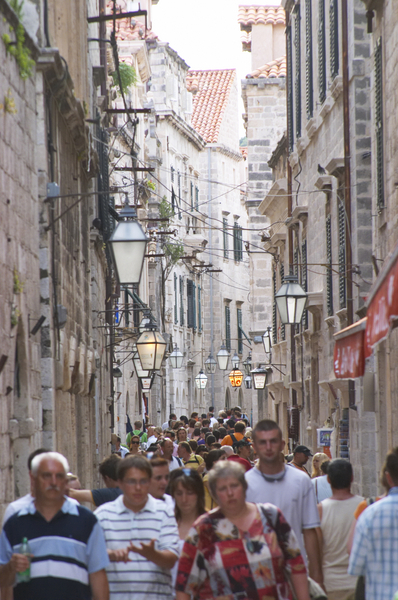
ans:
(24, 576)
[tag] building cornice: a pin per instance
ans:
(180, 125)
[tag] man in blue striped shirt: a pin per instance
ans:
(375, 546)
(67, 544)
(141, 536)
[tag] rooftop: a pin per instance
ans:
(260, 15)
(128, 29)
(211, 91)
(275, 68)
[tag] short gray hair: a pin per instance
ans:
(224, 469)
(36, 462)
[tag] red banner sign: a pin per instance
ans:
(382, 307)
(349, 355)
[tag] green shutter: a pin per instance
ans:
(329, 260)
(342, 250)
(282, 275)
(179, 194)
(228, 328)
(321, 51)
(199, 308)
(191, 195)
(297, 76)
(309, 94)
(379, 125)
(225, 236)
(194, 306)
(191, 319)
(304, 280)
(334, 38)
(290, 131)
(181, 300)
(197, 198)
(175, 299)
(240, 337)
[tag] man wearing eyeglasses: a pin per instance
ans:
(141, 536)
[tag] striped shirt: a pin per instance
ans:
(65, 551)
(139, 578)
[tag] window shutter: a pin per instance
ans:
(194, 306)
(197, 198)
(282, 274)
(190, 303)
(240, 337)
(297, 80)
(321, 51)
(274, 309)
(104, 200)
(225, 236)
(379, 124)
(290, 131)
(181, 300)
(304, 280)
(191, 195)
(309, 96)
(199, 308)
(329, 277)
(238, 248)
(342, 251)
(334, 38)
(228, 328)
(175, 299)
(179, 194)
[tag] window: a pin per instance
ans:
(238, 248)
(197, 198)
(225, 236)
(282, 276)
(228, 328)
(199, 308)
(175, 299)
(297, 76)
(181, 300)
(304, 279)
(179, 194)
(192, 195)
(274, 309)
(321, 51)
(329, 278)
(240, 336)
(379, 125)
(191, 306)
(309, 96)
(342, 248)
(290, 132)
(104, 200)
(334, 38)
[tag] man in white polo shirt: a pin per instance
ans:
(141, 536)
(287, 488)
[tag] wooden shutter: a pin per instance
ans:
(197, 198)
(225, 236)
(274, 309)
(329, 277)
(304, 280)
(342, 249)
(297, 76)
(240, 336)
(199, 308)
(228, 328)
(194, 305)
(309, 95)
(379, 125)
(290, 130)
(334, 38)
(191, 195)
(282, 275)
(181, 300)
(321, 51)
(190, 303)
(104, 200)
(179, 194)
(175, 299)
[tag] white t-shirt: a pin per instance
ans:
(293, 494)
(322, 488)
(213, 421)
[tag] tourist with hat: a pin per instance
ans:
(301, 455)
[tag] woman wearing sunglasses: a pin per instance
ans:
(240, 550)
(135, 445)
(186, 487)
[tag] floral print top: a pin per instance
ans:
(220, 562)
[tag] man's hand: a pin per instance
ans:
(119, 555)
(314, 555)
(162, 558)
(148, 551)
(19, 562)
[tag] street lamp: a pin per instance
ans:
(222, 358)
(248, 382)
(236, 378)
(176, 358)
(210, 364)
(267, 340)
(146, 382)
(127, 246)
(145, 321)
(259, 378)
(235, 361)
(151, 348)
(290, 300)
(117, 372)
(247, 364)
(201, 380)
(138, 366)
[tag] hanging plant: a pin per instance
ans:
(17, 48)
(128, 76)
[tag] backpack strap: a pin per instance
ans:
(233, 438)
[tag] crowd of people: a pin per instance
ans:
(201, 508)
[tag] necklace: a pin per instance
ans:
(273, 478)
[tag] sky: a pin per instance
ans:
(205, 33)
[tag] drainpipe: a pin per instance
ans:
(347, 180)
(209, 192)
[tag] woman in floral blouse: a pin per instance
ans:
(240, 550)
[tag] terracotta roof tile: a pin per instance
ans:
(275, 68)
(246, 39)
(128, 29)
(260, 15)
(211, 91)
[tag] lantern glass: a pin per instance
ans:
(259, 377)
(248, 382)
(236, 377)
(222, 358)
(128, 246)
(176, 358)
(146, 383)
(291, 300)
(267, 341)
(235, 360)
(210, 365)
(247, 364)
(138, 366)
(201, 380)
(151, 348)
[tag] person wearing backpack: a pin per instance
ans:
(137, 431)
(233, 438)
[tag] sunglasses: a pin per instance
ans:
(133, 443)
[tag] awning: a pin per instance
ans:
(382, 303)
(349, 351)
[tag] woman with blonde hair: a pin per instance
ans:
(317, 460)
